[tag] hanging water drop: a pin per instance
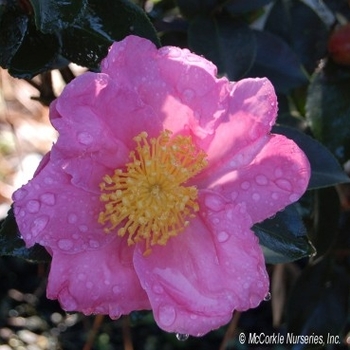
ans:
(267, 297)
(182, 337)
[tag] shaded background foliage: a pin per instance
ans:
(296, 44)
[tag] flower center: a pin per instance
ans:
(149, 196)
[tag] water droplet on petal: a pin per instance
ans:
(83, 228)
(48, 199)
(182, 337)
(167, 315)
(20, 194)
(222, 236)
(93, 243)
(89, 285)
(234, 195)
(214, 203)
(267, 297)
(65, 244)
(284, 184)
(188, 95)
(174, 52)
(48, 180)
(158, 289)
(81, 277)
(256, 197)
(33, 206)
(261, 180)
(39, 224)
(72, 218)
(278, 172)
(116, 289)
(85, 138)
(293, 197)
(245, 185)
(275, 195)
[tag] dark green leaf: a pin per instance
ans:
(192, 8)
(326, 216)
(229, 45)
(299, 26)
(12, 244)
(278, 62)
(244, 6)
(328, 110)
(55, 15)
(13, 27)
(38, 53)
(325, 169)
(283, 237)
(319, 301)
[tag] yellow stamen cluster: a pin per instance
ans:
(149, 198)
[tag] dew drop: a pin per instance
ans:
(33, 206)
(182, 337)
(293, 197)
(174, 52)
(256, 197)
(89, 285)
(245, 185)
(85, 138)
(116, 289)
(188, 95)
(278, 172)
(72, 218)
(234, 195)
(39, 224)
(284, 184)
(20, 194)
(261, 180)
(267, 297)
(222, 236)
(83, 228)
(275, 195)
(48, 199)
(213, 203)
(81, 277)
(48, 181)
(158, 289)
(65, 244)
(93, 243)
(166, 315)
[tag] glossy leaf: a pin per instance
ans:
(278, 62)
(192, 8)
(55, 15)
(13, 27)
(319, 301)
(229, 45)
(328, 110)
(325, 169)
(326, 208)
(291, 21)
(38, 53)
(283, 237)
(12, 244)
(244, 6)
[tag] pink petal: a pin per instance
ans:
(252, 110)
(102, 281)
(96, 121)
(170, 80)
(276, 177)
(200, 277)
(52, 212)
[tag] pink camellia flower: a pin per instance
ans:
(147, 199)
